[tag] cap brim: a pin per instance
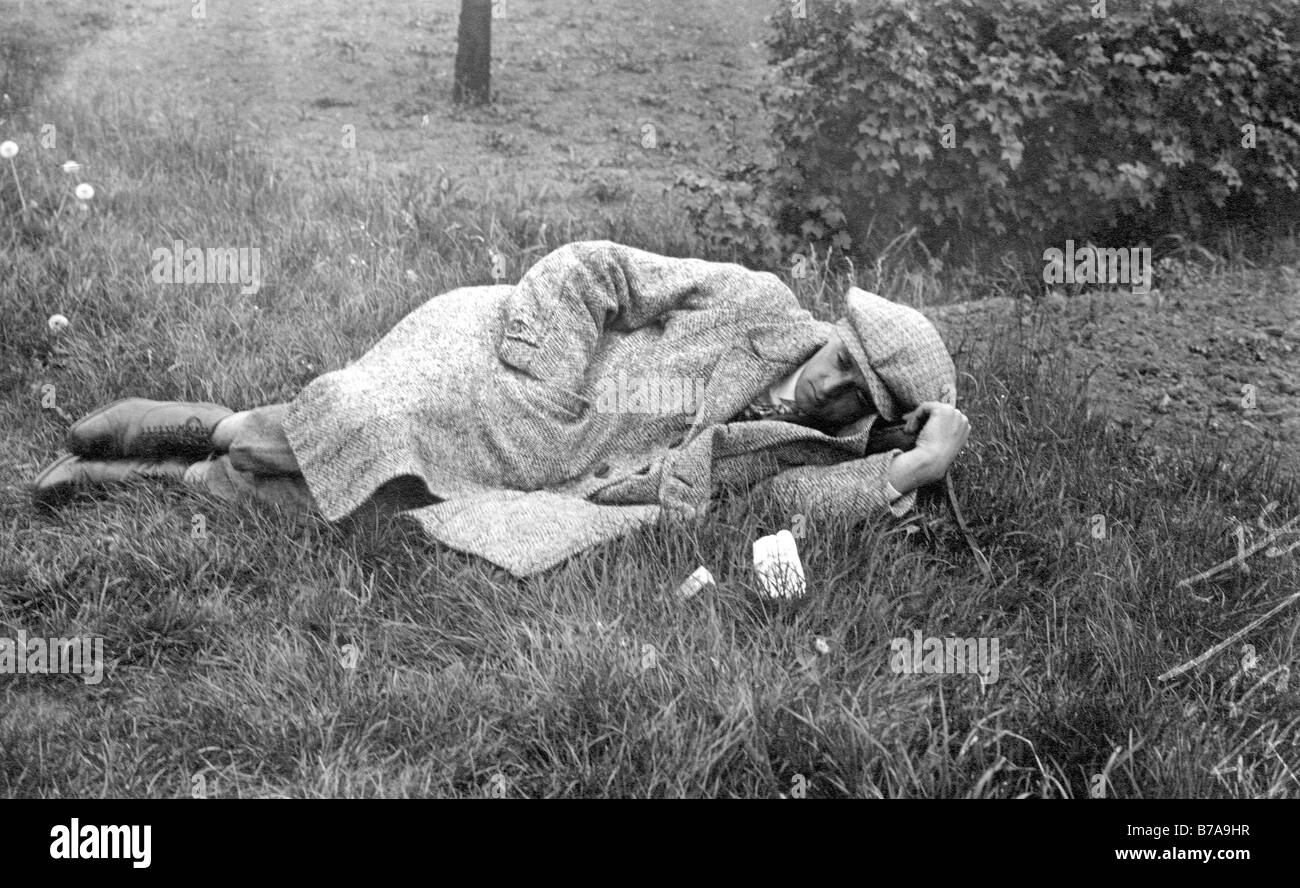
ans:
(880, 395)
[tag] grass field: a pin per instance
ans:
(228, 660)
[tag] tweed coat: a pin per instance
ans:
(519, 408)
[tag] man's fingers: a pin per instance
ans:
(949, 422)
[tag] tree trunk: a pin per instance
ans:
(473, 83)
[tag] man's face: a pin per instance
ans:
(831, 387)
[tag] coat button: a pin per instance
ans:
(602, 470)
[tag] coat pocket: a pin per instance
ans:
(533, 340)
(519, 343)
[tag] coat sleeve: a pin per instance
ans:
(850, 490)
(554, 318)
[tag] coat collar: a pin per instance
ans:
(769, 351)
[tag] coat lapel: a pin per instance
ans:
(736, 379)
(772, 350)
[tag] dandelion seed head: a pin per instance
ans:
(8, 149)
(85, 191)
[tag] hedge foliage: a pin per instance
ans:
(1031, 120)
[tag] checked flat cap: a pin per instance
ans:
(899, 352)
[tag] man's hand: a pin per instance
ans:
(943, 433)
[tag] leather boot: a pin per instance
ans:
(70, 475)
(137, 428)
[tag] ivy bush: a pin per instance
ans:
(1030, 121)
(731, 215)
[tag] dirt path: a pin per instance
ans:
(1171, 367)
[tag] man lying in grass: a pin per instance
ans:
(525, 423)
